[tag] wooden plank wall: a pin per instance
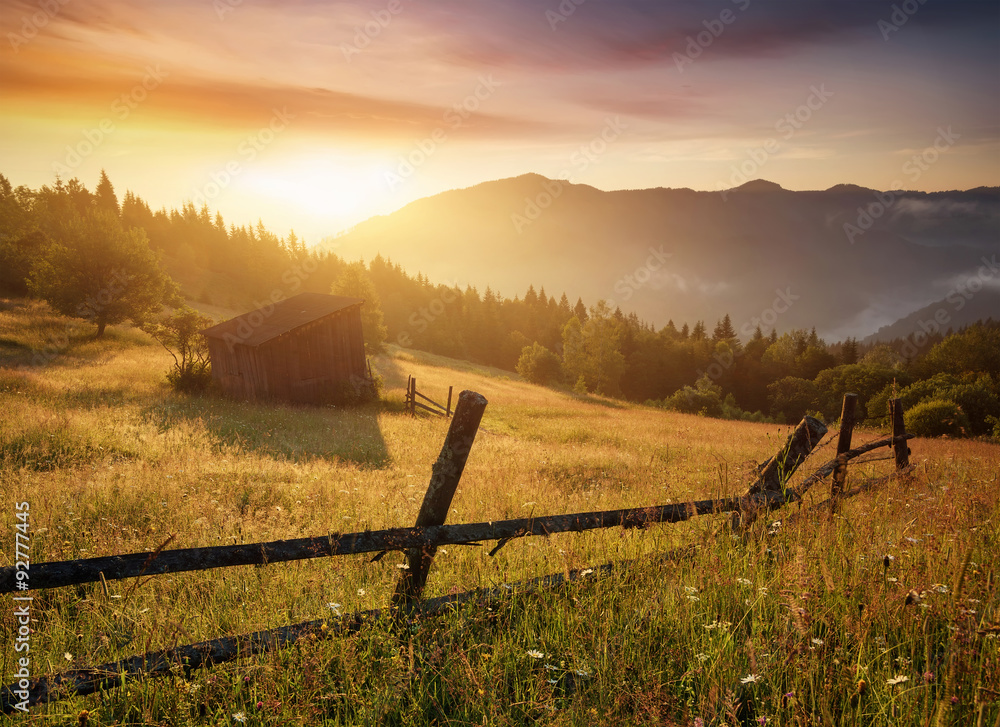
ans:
(305, 365)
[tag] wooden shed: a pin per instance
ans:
(307, 349)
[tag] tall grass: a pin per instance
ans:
(885, 615)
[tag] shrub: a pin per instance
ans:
(180, 334)
(937, 418)
(539, 365)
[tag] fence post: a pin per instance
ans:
(445, 474)
(448, 410)
(900, 447)
(843, 445)
(413, 395)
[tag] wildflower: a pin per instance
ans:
(928, 676)
(361, 591)
(898, 679)
(693, 598)
(690, 589)
(699, 722)
(403, 566)
(750, 679)
(701, 657)
(552, 681)
(68, 656)
(586, 572)
(260, 705)
(744, 581)
(550, 667)
(818, 642)
(535, 654)
(582, 673)
(240, 717)
(940, 588)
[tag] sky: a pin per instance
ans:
(314, 116)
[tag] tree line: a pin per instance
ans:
(106, 261)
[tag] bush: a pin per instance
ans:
(180, 334)
(937, 418)
(976, 396)
(539, 365)
(704, 398)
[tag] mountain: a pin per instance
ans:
(845, 260)
(958, 310)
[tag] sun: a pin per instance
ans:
(339, 187)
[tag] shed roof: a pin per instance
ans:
(264, 324)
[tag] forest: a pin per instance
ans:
(106, 261)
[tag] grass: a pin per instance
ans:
(112, 461)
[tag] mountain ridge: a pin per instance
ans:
(718, 253)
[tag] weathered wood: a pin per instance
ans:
(445, 475)
(162, 663)
(430, 409)
(427, 398)
(843, 445)
(781, 466)
(448, 410)
(118, 567)
(901, 450)
(80, 682)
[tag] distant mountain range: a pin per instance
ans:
(847, 260)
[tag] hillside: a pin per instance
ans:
(110, 460)
(954, 312)
(685, 255)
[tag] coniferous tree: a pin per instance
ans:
(105, 197)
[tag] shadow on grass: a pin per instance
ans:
(282, 431)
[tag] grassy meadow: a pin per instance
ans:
(884, 615)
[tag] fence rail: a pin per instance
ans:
(431, 406)
(420, 542)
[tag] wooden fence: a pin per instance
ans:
(432, 406)
(768, 491)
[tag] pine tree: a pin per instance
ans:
(105, 197)
(724, 330)
(849, 351)
(354, 282)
